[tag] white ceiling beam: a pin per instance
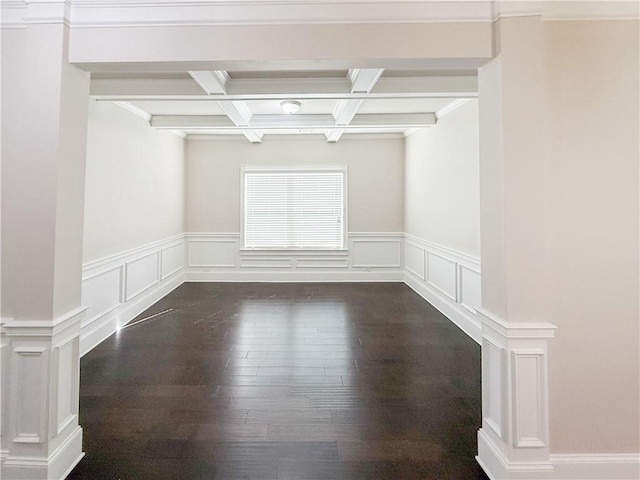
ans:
(298, 88)
(135, 110)
(441, 84)
(406, 120)
(268, 122)
(131, 87)
(254, 136)
(450, 107)
(237, 112)
(177, 122)
(240, 115)
(214, 83)
(362, 81)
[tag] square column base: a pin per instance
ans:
(57, 466)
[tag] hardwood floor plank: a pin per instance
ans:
(283, 381)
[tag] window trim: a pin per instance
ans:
(244, 169)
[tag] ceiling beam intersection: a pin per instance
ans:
(362, 81)
(215, 83)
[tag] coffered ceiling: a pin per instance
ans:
(333, 103)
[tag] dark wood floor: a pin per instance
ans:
(283, 381)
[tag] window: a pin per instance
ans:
(287, 209)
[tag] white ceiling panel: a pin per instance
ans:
(403, 105)
(180, 107)
(288, 74)
(307, 107)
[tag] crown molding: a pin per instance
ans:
(106, 13)
(567, 10)
(20, 13)
(145, 13)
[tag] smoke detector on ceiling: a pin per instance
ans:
(290, 106)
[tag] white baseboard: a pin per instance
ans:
(459, 316)
(596, 467)
(497, 467)
(58, 465)
(560, 467)
(295, 276)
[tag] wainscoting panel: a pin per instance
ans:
(213, 251)
(266, 262)
(40, 378)
(306, 262)
(513, 441)
(29, 400)
(66, 361)
(415, 260)
(118, 287)
(171, 260)
(493, 376)
(375, 251)
(219, 257)
(141, 274)
(469, 288)
(528, 385)
(442, 275)
(447, 279)
(102, 293)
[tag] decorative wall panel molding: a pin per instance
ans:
(30, 369)
(171, 260)
(66, 359)
(513, 442)
(102, 292)
(219, 257)
(415, 260)
(446, 278)
(442, 274)
(493, 377)
(217, 251)
(41, 438)
(469, 281)
(375, 250)
(141, 274)
(118, 287)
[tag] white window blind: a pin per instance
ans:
(294, 209)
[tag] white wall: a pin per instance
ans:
(134, 219)
(134, 192)
(442, 182)
(442, 216)
(594, 190)
(560, 166)
(375, 178)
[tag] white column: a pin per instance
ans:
(44, 101)
(513, 442)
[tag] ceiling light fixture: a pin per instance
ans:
(290, 106)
